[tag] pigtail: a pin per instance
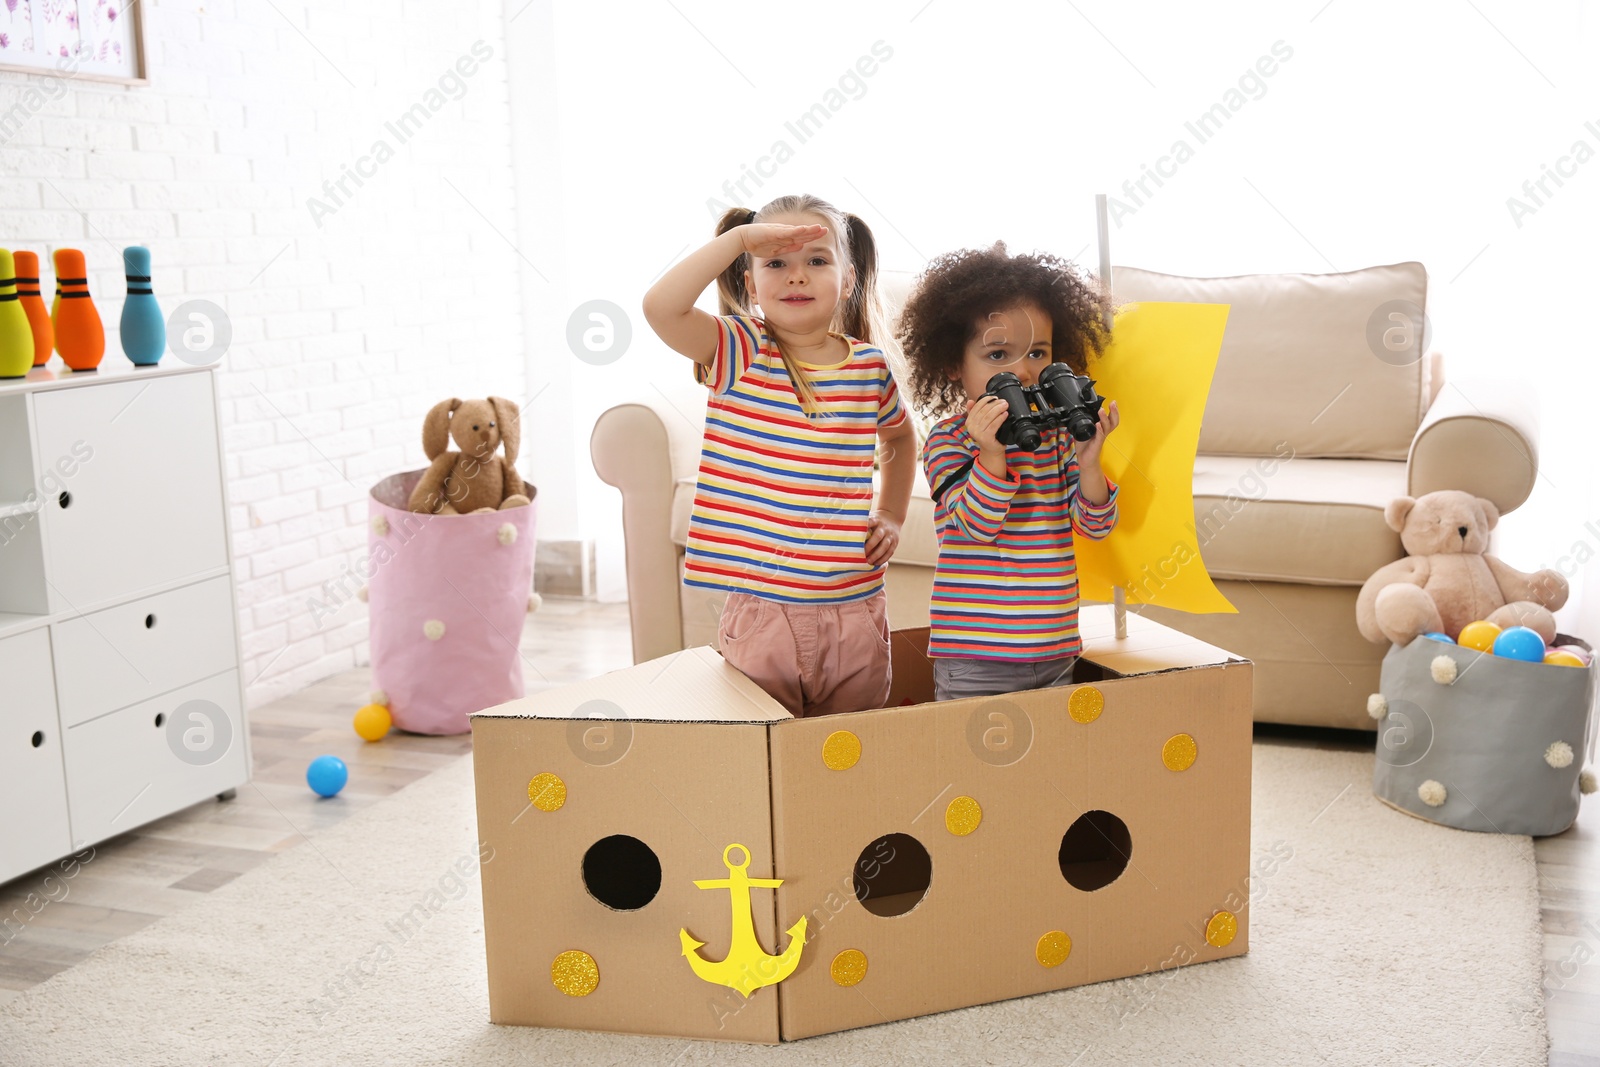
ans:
(861, 313)
(732, 296)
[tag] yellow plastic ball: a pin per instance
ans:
(1563, 659)
(372, 722)
(1478, 635)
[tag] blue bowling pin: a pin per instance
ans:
(144, 328)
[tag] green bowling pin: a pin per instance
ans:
(16, 333)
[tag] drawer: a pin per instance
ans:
(33, 792)
(109, 659)
(155, 757)
(139, 502)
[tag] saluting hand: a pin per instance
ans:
(763, 240)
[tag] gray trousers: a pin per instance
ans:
(955, 677)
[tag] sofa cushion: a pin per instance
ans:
(1299, 362)
(1313, 521)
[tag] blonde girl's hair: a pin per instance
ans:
(859, 314)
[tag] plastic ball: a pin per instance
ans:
(327, 775)
(1576, 650)
(1561, 658)
(1480, 635)
(1520, 642)
(372, 722)
(1437, 636)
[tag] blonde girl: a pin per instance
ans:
(801, 404)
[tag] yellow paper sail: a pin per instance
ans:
(1158, 368)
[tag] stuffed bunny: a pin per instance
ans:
(473, 479)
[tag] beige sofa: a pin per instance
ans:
(1319, 414)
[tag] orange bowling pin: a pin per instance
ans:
(80, 337)
(44, 335)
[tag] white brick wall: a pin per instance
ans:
(344, 334)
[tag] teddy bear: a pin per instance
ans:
(1447, 580)
(473, 479)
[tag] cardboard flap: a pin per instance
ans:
(1148, 648)
(694, 685)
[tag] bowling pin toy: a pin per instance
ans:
(80, 338)
(44, 335)
(144, 330)
(16, 336)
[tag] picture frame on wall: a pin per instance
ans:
(99, 40)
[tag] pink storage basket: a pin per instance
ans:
(447, 597)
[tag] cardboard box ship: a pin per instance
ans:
(674, 854)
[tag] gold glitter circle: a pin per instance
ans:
(849, 967)
(547, 791)
(841, 750)
(1053, 948)
(1221, 929)
(1086, 704)
(1179, 752)
(962, 816)
(575, 973)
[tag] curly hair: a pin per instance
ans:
(959, 288)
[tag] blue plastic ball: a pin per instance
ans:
(1437, 636)
(328, 774)
(1519, 642)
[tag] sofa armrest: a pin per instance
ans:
(1480, 436)
(643, 449)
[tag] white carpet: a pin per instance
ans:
(1383, 939)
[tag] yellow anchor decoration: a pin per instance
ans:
(746, 968)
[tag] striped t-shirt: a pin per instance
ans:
(781, 506)
(1006, 586)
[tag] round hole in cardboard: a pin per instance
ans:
(1095, 850)
(892, 875)
(622, 872)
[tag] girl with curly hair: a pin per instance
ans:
(1004, 615)
(784, 518)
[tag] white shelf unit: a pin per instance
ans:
(121, 694)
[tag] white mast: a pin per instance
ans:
(1119, 599)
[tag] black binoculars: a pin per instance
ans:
(1061, 398)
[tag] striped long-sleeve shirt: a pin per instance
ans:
(781, 503)
(1006, 586)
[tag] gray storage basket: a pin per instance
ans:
(1483, 740)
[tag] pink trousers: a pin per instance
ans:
(814, 659)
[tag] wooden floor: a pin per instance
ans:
(135, 879)
(1569, 898)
